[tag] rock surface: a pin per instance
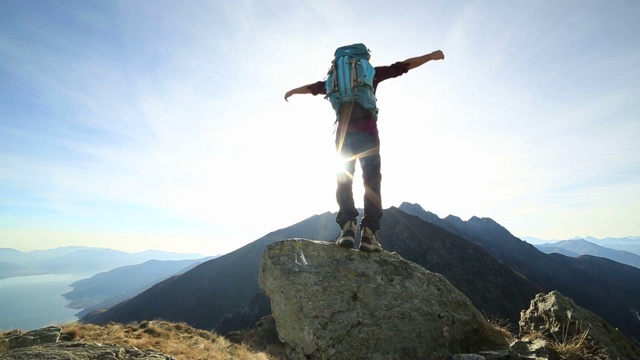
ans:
(82, 351)
(46, 335)
(42, 344)
(560, 319)
(330, 302)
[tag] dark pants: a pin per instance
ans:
(355, 145)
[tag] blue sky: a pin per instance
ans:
(161, 124)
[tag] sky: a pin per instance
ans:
(159, 124)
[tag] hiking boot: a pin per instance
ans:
(347, 237)
(369, 241)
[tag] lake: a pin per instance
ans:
(33, 302)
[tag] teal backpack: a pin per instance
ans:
(350, 79)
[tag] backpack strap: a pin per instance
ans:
(354, 75)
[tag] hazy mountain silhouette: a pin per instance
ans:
(202, 296)
(75, 260)
(606, 287)
(627, 243)
(548, 249)
(109, 288)
(579, 247)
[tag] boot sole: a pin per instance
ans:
(369, 248)
(346, 242)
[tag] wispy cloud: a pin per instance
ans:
(171, 116)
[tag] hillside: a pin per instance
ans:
(202, 296)
(498, 272)
(608, 288)
(178, 340)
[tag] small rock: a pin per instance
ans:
(467, 357)
(559, 319)
(46, 335)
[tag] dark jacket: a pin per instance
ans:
(361, 120)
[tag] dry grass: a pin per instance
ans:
(577, 347)
(571, 347)
(502, 328)
(262, 337)
(176, 339)
(3, 343)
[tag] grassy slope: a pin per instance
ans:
(176, 339)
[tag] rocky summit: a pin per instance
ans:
(44, 344)
(331, 302)
(559, 318)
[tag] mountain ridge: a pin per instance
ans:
(579, 246)
(600, 285)
(191, 297)
(627, 243)
(403, 233)
(498, 272)
(111, 287)
(75, 260)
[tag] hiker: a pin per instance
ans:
(357, 134)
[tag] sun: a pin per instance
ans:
(341, 166)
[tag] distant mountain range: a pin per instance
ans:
(75, 260)
(578, 247)
(107, 289)
(497, 271)
(211, 290)
(628, 243)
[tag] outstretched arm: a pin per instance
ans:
(419, 60)
(306, 89)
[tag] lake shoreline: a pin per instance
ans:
(35, 301)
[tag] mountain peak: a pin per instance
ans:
(453, 218)
(417, 210)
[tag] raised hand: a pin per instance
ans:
(437, 55)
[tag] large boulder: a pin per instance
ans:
(559, 319)
(333, 303)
